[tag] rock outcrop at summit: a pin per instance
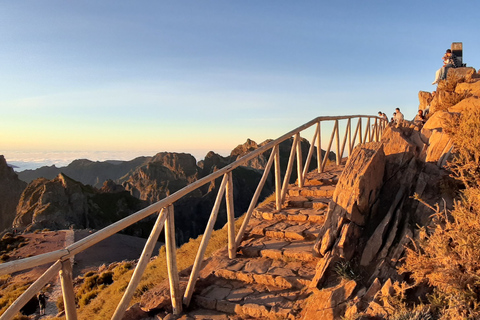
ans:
(11, 189)
(375, 210)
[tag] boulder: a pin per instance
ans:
(398, 150)
(159, 297)
(135, 313)
(358, 186)
(438, 120)
(462, 74)
(470, 102)
(439, 146)
(348, 240)
(329, 303)
(470, 87)
(354, 195)
(424, 98)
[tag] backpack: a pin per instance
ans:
(455, 61)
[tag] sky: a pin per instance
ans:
(119, 79)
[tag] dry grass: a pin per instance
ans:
(99, 300)
(446, 257)
(10, 292)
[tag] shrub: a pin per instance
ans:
(86, 298)
(446, 255)
(345, 270)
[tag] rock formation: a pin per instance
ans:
(164, 174)
(11, 189)
(62, 203)
(85, 171)
(373, 215)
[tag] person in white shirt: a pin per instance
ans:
(398, 116)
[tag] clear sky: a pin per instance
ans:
(137, 77)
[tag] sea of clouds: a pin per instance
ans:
(30, 160)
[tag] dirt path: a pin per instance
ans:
(51, 309)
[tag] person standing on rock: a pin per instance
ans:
(41, 302)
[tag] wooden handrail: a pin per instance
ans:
(164, 206)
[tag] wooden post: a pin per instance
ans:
(357, 132)
(309, 156)
(66, 281)
(360, 130)
(31, 291)
(299, 161)
(319, 148)
(349, 137)
(337, 140)
(367, 131)
(329, 146)
(278, 180)
(289, 168)
(347, 130)
(203, 245)
(171, 253)
(232, 248)
(254, 201)
(141, 265)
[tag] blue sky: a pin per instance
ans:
(140, 77)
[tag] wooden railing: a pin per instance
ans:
(372, 131)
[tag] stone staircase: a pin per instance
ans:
(274, 266)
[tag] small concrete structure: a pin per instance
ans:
(457, 50)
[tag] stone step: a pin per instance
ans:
(313, 215)
(255, 301)
(307, 202)
(286, 229)
(273, 272)
(278, 249)
(207, 314)
(329, 180)
(312, 191)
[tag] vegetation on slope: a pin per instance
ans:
(98, 293)
(446, 256)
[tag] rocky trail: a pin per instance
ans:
(275, 264)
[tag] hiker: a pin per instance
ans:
(383, 116)
(392, 119)
(449, 61)
(398, 116)
(41, 303)
(419, 119)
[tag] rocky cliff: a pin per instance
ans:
(10, 190)
(62, 203)
(375, 212)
